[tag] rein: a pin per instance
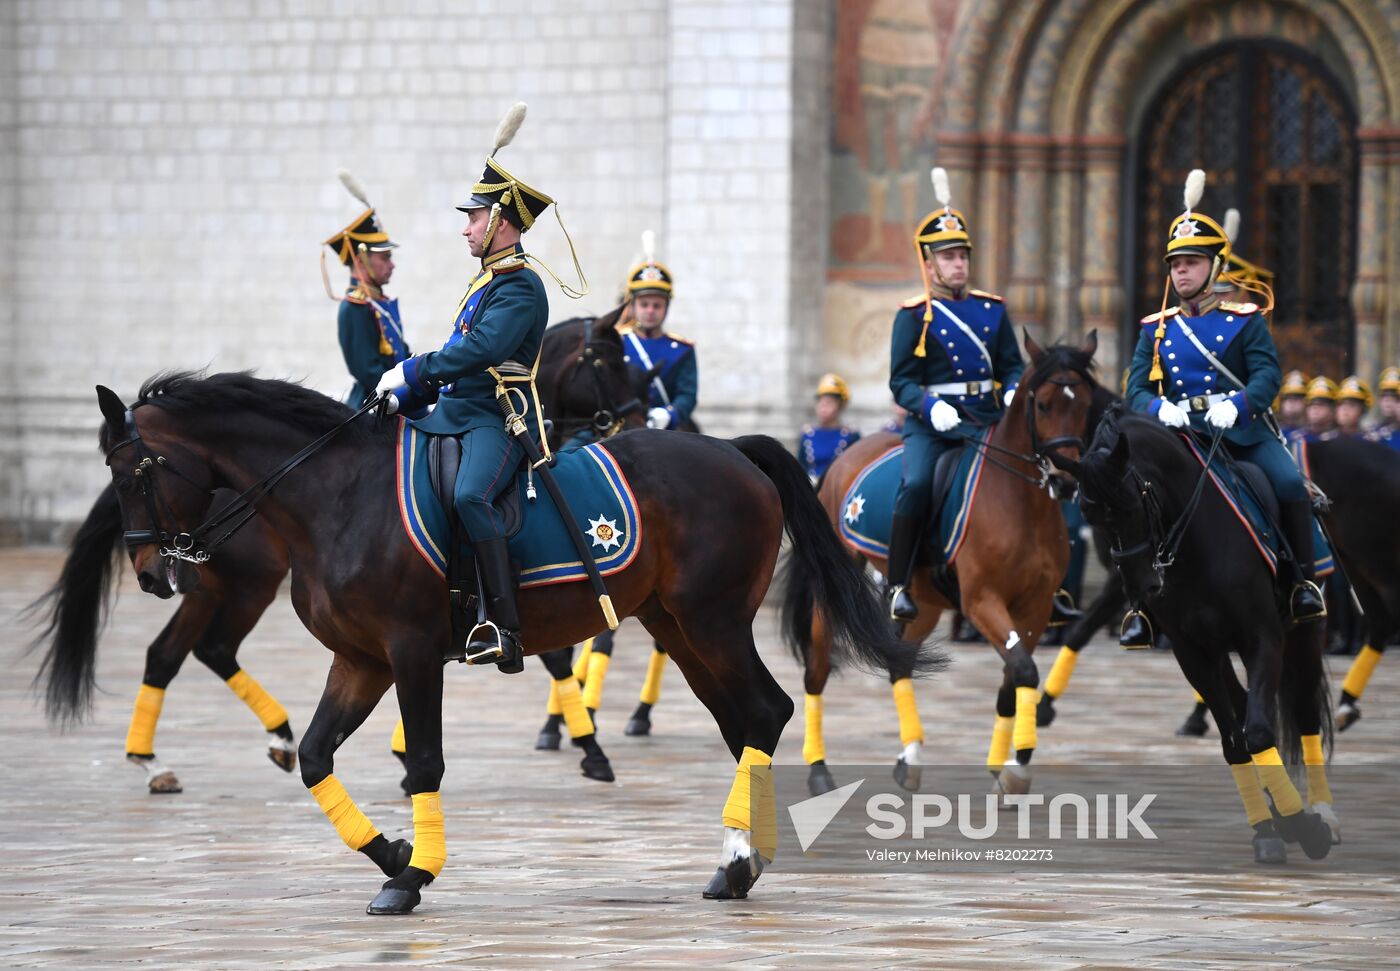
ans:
(1039, 456)
(190, 546)
(608, 417)
(1165, 550)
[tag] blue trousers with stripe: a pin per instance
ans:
(490, 459)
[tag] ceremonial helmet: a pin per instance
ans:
(1195, 232)
(945, 227)
(1322, 389)
(364, 234)
(1355, 389)
(1295, 385)
(650, 275)
(1390, 381)
(833, 384)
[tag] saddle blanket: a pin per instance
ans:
(589, 477)
(1256, 522)
(867, 509)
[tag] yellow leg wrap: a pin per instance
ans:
(813, 745)
(753, 779)
(581, 662)
(1058, 680)
(910, 728)
(1316, 762)
(1275, 779)
(571, 702)
(429, 835)
(397, 743)
(651, 687)
(141, 736)
(1361, 671)
(1001, 743)
(353, 826)
(597, 674)
(1256, 808)
(1197, 695)
(1024, 733)
(552, 707)
(268, 709)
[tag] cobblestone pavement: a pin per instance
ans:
(241, 870)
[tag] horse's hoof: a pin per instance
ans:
(1014, 779)
(165, 784)
(1315, 836)
(734, 881)
(283, 754)
(597, 768)
(393, 900)
(1348, 714)
(908, 777)
(1329, 816)
(1194, 726)
(1268, 846)
(1045, 712)
(640, 722)
(548, 741)
(819, 779)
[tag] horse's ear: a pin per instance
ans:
(607, 322)
(1032, 348)
(1118, 455)
(112, 408)
(1091, 343)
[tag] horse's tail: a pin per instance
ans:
(820, 571)
(75, 608)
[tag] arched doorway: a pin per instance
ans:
(1277, 137)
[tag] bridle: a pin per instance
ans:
(1164, 544)
(193, 546)
(1039, 455)
(608, 416)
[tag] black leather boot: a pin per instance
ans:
(1136, 632)
(1063, 610)
(498, 640)
(1305, 601)
(904, 540)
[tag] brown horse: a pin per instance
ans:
(1005, 574)
(714, 515)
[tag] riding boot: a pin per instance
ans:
(904, 541)
(498, 640)
(1136, 632)
(1062, 609)
(1305, 600)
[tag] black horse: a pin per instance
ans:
(584, 381)
(1181, 551)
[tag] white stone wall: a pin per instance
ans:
(11, 471)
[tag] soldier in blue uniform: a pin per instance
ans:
(1354, 399)
(1320, 411)
(645, 344)
(1212, 365)
(949, 348)
(821, 443)
(1388, 431)
(497, 331)
(370, 329)
(1292, 401)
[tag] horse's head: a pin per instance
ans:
(1059, 391)
(596, 385)
(164, 490)
(1116, 498)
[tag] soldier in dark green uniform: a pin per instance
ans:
(498, 331)
(370, 329)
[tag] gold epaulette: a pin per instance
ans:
(1153, 318)
(986, 296)
(916, 301)
(357, 296)
(508, 265)
(678, 338)
(1239, 308)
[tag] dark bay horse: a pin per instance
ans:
(714, 513)
(583, 381)
(1007, 570)
(1183, 553)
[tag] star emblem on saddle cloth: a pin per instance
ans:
(605, 533)
(1187, 227)
(855, 508)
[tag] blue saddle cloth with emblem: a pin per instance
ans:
(589, 477)
(1244, 501)
(867, 509)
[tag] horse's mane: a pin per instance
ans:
(1062, 357)
(1094, 472)
(194, 394)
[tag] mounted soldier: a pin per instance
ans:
(1320, 411)
(819, 444)
(1292, 403)
(950, 347)
(650, 287)
(1211, 364)
(495, 342)
(1354, 400)
(369, 325)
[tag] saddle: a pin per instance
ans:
(466, 604)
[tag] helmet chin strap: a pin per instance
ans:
(491, 226)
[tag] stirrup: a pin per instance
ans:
(488, 644)
(1062, 609)
(1306, 613)
(902, 606)
(1130, 640)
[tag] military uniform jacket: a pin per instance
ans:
(819, 447)
(371, 340)
(1238, 336)
(679, 377)
(954, 358)
(501, 318)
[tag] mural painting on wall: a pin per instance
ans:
(889, 58)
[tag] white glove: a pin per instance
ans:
(943, 416)
(393, 407)
(658, 418)
(1010, 393)
(1223, 414)
(1171, 415)
(392, 378)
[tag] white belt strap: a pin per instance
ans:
(960, 387)
(1205, 351)
(968, 331)
(645, 358)
(1202, 402)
